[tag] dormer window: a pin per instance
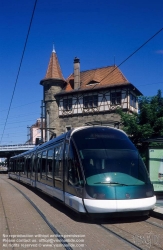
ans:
(93, 82)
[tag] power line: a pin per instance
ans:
(12, 128)
(30, 115)
(19, 67)
(21, 105)
(19, 121)
(14, 117)
(149, 84)
(132, 54)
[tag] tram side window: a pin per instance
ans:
(74, 171)
(28, 164)
(22, 165)
(25, 166)
(43, 164)
(58, 162)
(34, 164)
(14, 166)
(11, 166)
(18, 168)
(38, 163)
(50, 162)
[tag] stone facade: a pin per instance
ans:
(109, 119)
(51, 87)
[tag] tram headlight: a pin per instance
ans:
(108, 179)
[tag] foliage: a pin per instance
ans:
(147, 123)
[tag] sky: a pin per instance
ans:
(98, 32)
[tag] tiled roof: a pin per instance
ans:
(54, 70)
(98, 78)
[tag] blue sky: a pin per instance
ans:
(95, 31)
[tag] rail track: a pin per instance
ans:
(148, 235)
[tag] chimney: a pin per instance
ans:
(76, 73)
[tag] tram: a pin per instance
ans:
(92, 170)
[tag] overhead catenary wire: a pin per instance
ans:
(13, 122)
(132, 54)
(12, 128)
(26, 104)
(15, 117)
(21, 60)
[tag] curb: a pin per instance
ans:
(157, 212)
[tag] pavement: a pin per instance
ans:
(21, 226)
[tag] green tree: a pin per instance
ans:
(147, 123)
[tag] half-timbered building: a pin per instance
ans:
(88, 97)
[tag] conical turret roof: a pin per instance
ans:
(54, 69)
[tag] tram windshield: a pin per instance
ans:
(109, 157)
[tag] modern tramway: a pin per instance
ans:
(92, 170)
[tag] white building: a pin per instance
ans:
(35, 132)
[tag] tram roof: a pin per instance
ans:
(60, 138)
(44, 145)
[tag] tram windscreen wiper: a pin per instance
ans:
(111, 182)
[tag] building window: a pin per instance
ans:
(90, 101)
(115, 98)
(132, 101)
(67, 104)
